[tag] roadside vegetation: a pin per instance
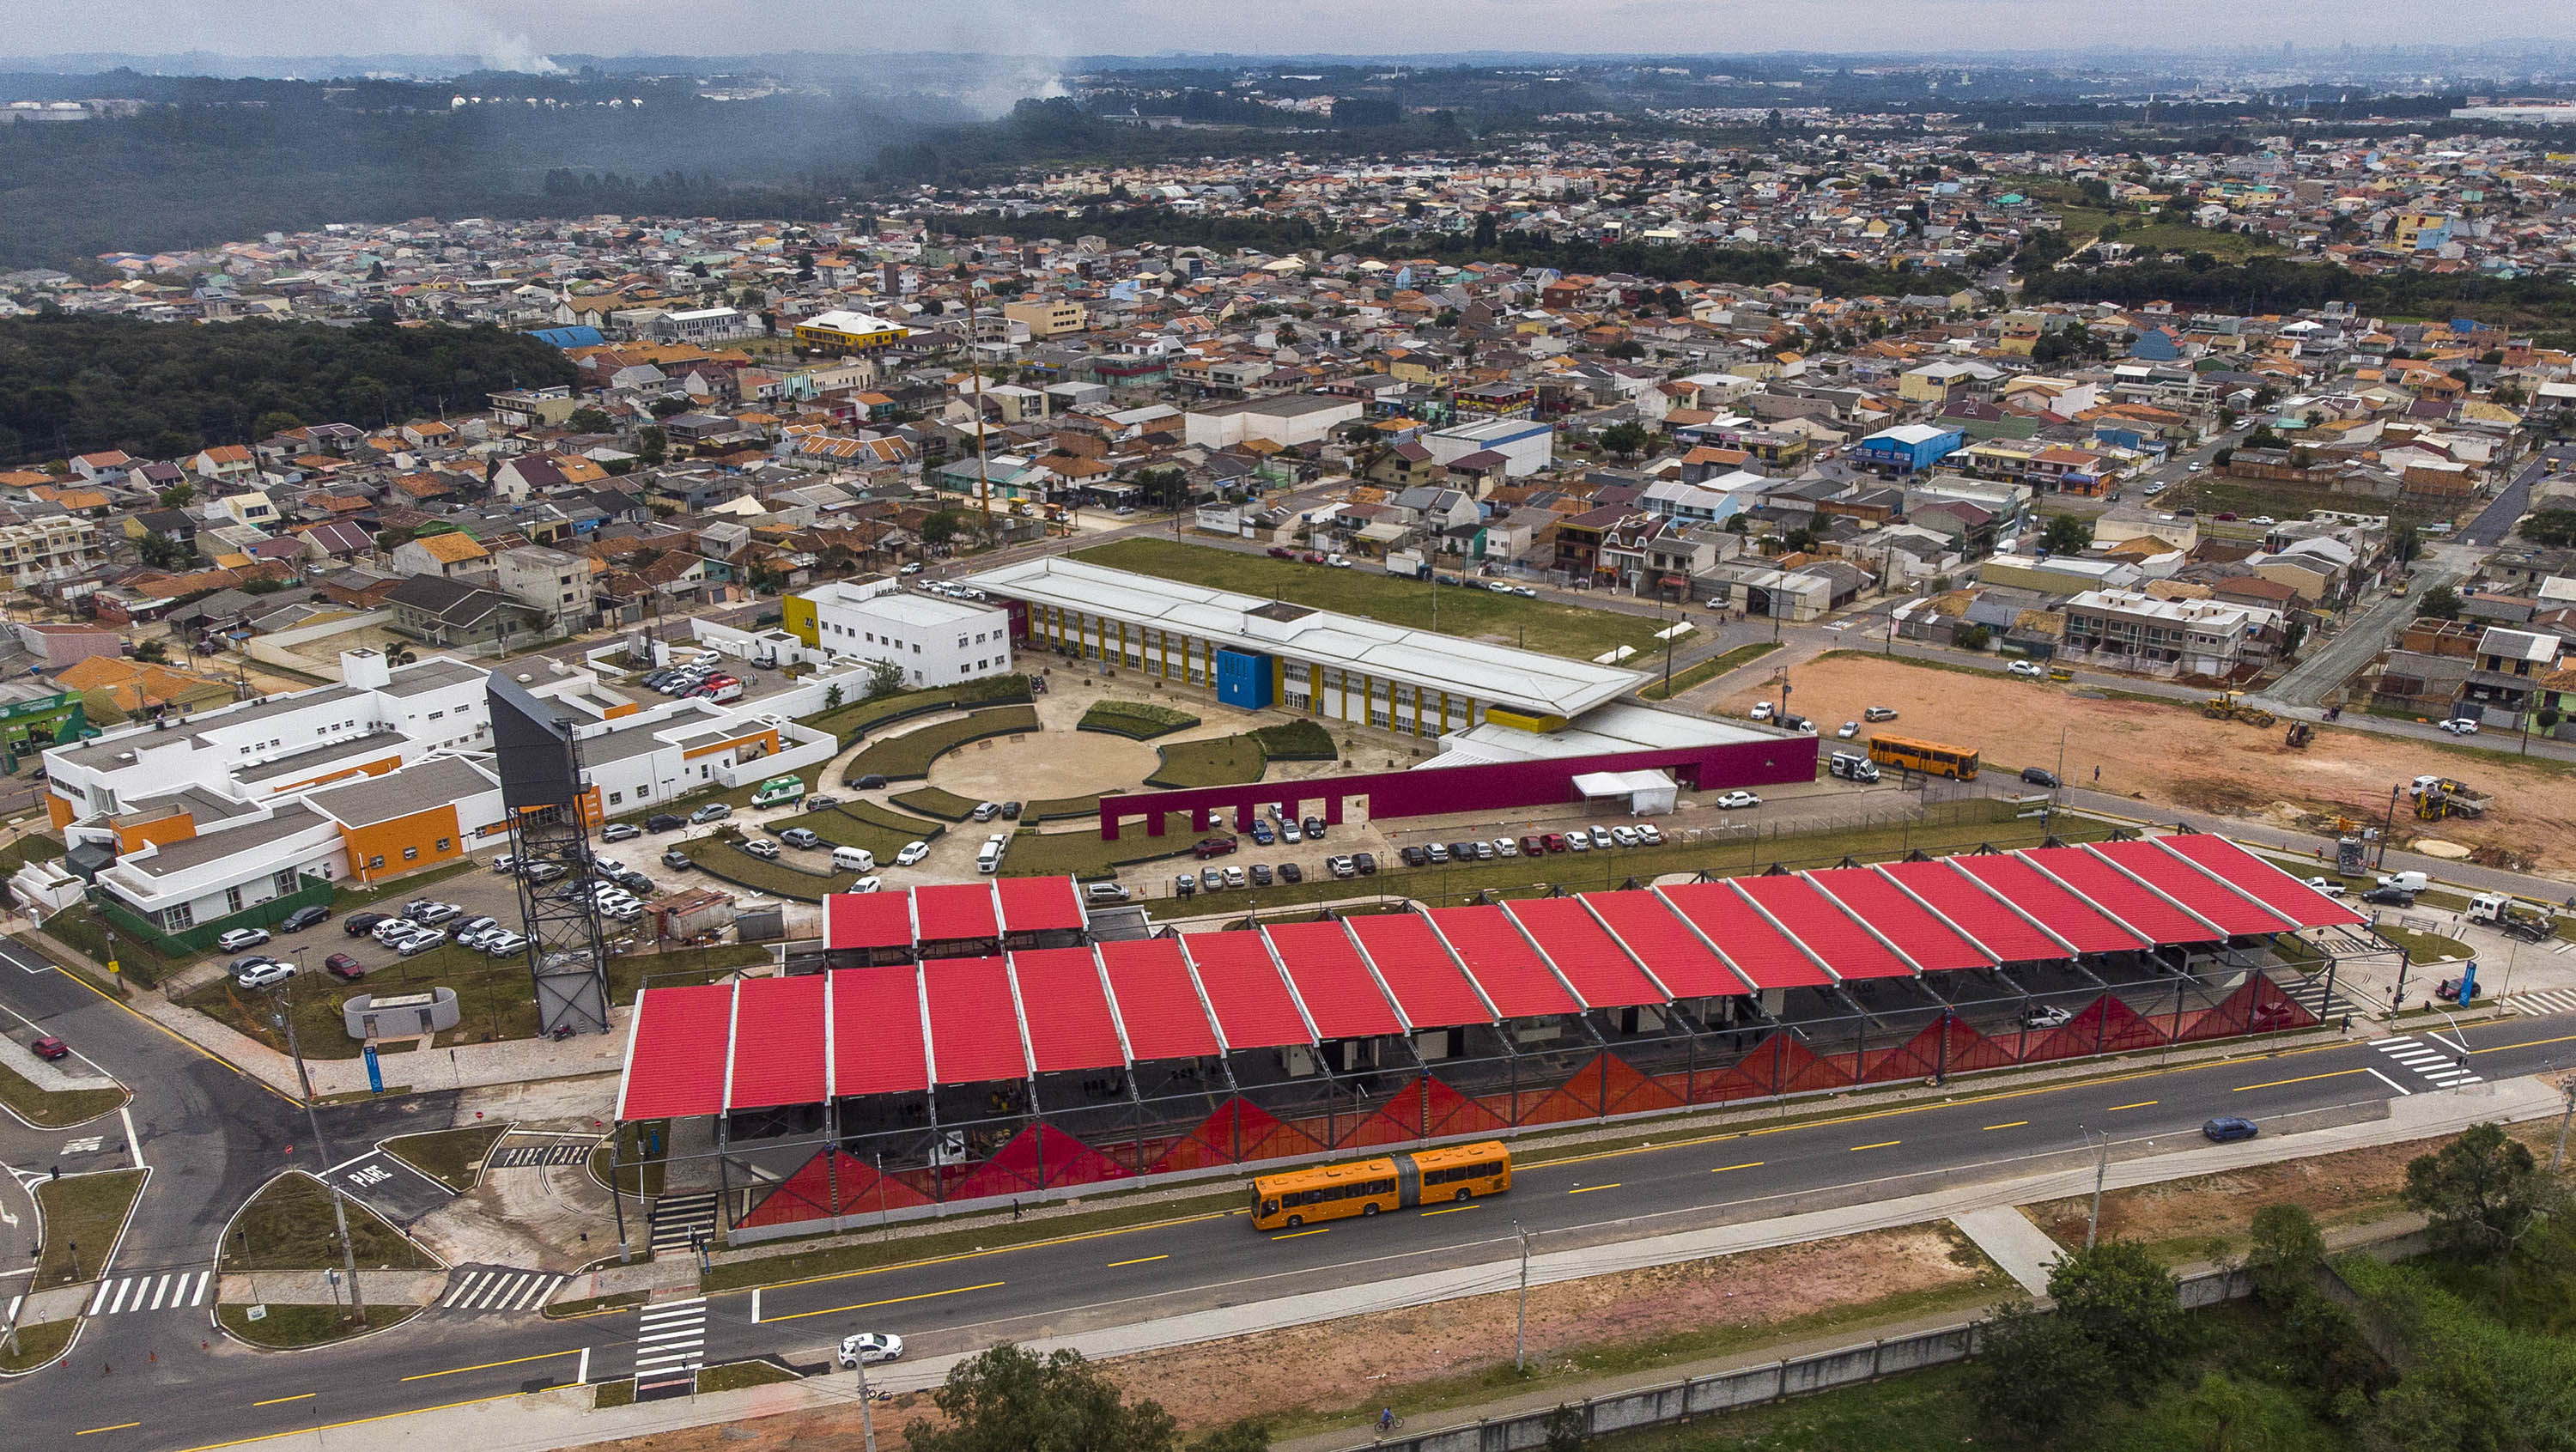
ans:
(288, 1225)
(453, 1157)
(1142, 720)
(287, 1328)
(1707, 670)
(84, 1214)
(54, 1108)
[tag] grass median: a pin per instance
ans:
(289, 1225)
(453, 1157)
(83, 1216)
(908, 756)
(1707, 670)
(1142, 720)
(1217, 761)
(38, 1345)
(289, 1328)
(863, 825)
(1541, 625)
(54, 1108)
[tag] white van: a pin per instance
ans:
(2408, 881)
(853, 859)
(989, 860)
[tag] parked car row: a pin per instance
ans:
(1536, 844)
(705, 680)
(1220, 879)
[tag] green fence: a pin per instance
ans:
(190, 942)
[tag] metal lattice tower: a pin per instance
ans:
(542, 790)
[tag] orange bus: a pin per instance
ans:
(1289, 1199)
(1932, 758)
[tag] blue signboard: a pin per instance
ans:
(375, 1072)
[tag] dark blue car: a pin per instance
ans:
(2228, 1127)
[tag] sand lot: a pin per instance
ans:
(2169, 754)
(1049, 763)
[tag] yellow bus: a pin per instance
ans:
(1931, 758)
(1291, 1198)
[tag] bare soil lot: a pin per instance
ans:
(2167, 753)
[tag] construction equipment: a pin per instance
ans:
(2352, 856)
(2301, 733)
(2220, 706)
(2257, 717)
(2515, 918)
(2449, 799)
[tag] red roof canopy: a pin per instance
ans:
(1878, 901)
(1068, 1011)
(854, 920)
(778, 1031)
(2067, 916)
(1039, 904)
(676, 1052)
(1158, 1000)
(1983, 916)
(951, 911)
(1333, 981)
(1822, 926)
(877, 1047)
(1505, 964)
(974, 1021)
(1428, 984)
(2278, 890)
(2182, 880)
(1724, 915)
(2120, 895)
(1587, 957)
(1672, 952)
(1244, 988)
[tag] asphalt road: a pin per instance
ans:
(196, 1397)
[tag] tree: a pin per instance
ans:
(2441, 602)
(2481, 1193)
(2067, 533)
(1009, 1400)
(1972, 637)
(667, 407)
(588, 421)
(165, 552)
(2553, 527)
(652, 444)
(275, 421)
(1625, 437)
(2128, 1305)
(1563, 1429)
(177, 496)
(2407, 546)
(832, 697)
(152, 652)
(943, 526)
(2032, 1372)
(2286, 1249)
(885, 678)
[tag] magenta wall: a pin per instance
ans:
(1496, 786)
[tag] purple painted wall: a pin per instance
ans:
(1492, 787)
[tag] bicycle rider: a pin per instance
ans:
(1385, 1421)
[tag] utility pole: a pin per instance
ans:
(867, 1414)
(983, 475)
(2101, 1169)
(1520, 1323)
(313, 1121)
(2558, 1156)
(2389, 826)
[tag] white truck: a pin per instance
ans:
(2513, 917)
(2407, 881)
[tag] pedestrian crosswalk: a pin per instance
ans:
(2440, 1063)
(2547, 1001)
(680, 1220)
(670, 1348)
(151, 1291)
(498, 1288)
(521, 1156)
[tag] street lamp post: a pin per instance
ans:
(313, 1122)
(2101, 1170)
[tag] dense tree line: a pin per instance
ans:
(74, 385)
(2272, 285)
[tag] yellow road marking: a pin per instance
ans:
(1453, 1209)
(119, 1427)
(488, 1365)
(2010, 1124)
(891, 1301)
(1140, 1260)
(1298, 1234)
(1588, 1189)
(2527, 1044)
(352, 1422)
(1747, 1165)
(279, 1401)
(2141, 1104)
(1882, 1144)
(2302, 1079)
(878, 1270)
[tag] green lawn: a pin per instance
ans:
(1081, 852)
(908, 757)
(403, 888)
(862, 824)
(1707, 670)
(38, 1345)
(721, 858)
(288, 1226)
(735, 1375)
(285, 1328)
(453, 1157)
(83, 1215)
(936, 802)
(851, 722)
(1142, 720)
(1569, 630)
(2424, 947)
(54, 1108)
(1218, 761)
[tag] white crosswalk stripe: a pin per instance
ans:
(2547, 1001)
(151, 1291)
(670, 1348)
(2438, 1063)
(499, 1288)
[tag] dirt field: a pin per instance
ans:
(1368, 1361)
(1043, 764)
(2188, 1215)
(2168, 754)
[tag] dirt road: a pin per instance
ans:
(2164, 753)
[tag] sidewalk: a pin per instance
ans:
(314, 1288)
(552, 1420)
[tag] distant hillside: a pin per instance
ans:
(71, 385)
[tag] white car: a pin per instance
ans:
(1578, 841)
(762, 848)
(2157, 487)
(1506, 847)
(1625, 836)
(2457, 726)
(1847, 730)
(264, 975)
(1761, 711)
(867, 1348)
(2331, 887)
(2047, 1018)
(2030, 668)
(394, 930)
(1650, 834)
(240, 938)
(1339, 562)
(868, 884)
(1525, 592)
(2265, 519)
(1739, 799)
(912, 852)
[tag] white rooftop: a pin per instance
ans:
(1504, 675)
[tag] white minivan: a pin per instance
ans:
(853, 859)
(989, 860)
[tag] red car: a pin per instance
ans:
(1532, 846)
(50, 1047)
(1213, 847)
(1555, 841)
(341, 965)
(1282, 552)
(1311, 558)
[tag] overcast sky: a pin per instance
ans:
(514, 32)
